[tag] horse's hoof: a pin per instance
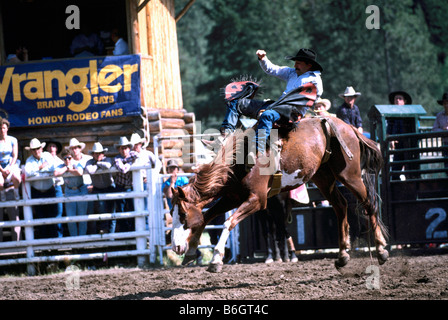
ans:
(341, 262)
(188, 260)
(214, 267)
(382, 257)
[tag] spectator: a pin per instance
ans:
(76, 149)
(400, 126)
(321, 107)
(14, 215)
(441, 123)
(123, 180)
(21, 55)
(86, 44)
(41, 164)
(121, 47)
(9, 165)
(145, 157)
(174, 181)
(55, 148)
(74, 186)
(349, 111)
(103, 182)
(80, 158)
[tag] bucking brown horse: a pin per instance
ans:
(321, 150)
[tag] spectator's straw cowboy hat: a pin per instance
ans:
(75, 143)
(349, 92)
(444, 97)
(123, 142)
(135, 138)
(325, 102)
(35, 144)
(172, 163)
(406, 96)
(98, 148)
(308, 56)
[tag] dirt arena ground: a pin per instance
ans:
(406, 276)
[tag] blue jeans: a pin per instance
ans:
(265, 123)
(44, 211)
(232, 116)
(76, 209)
(124, 205)
(105, 206)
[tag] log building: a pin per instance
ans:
(148, 27)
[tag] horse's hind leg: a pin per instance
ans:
(326, 183)
(362, 193)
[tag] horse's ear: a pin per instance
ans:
(181, 193)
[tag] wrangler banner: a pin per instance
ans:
(70, 91)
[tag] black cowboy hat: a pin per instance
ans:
(306, 55)
(444, 97)
(405, 95)
(57, 143)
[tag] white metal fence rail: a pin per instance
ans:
(31, 245)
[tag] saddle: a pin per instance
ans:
(328, 126)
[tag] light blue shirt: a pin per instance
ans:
(71, 180)
(83, 163)
(121, 47)
(32, 170)
(6, 151)
(293, 81)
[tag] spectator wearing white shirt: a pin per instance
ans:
(102, 183)
(41, 164)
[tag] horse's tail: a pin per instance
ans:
(371, 164)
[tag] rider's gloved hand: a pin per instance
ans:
(261, 54)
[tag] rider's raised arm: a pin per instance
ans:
(283, 73)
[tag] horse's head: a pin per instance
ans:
(187, 218)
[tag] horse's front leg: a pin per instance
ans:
(193, 243)
(252, 205)
(219, 251)
(219, 208)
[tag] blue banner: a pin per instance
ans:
(70, 91)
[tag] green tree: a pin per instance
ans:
(219, 38)
(237, 30)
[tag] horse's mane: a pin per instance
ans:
(210, 178)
